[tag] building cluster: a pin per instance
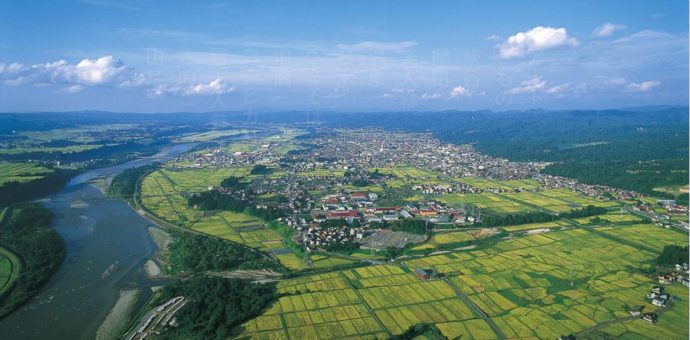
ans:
(679, 275)
(160, 319)
(315, 237)
(226, 157)
(599, 191)
(378, 149)
(657, 297)
(665, 218)
(319, 183)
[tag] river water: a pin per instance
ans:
(98, 232)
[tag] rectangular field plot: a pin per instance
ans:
(560, 282)
(322, 261)
(384, 297)
(671, 324)
(536, 286)
(21, 172)
(407, 172)
(614, 217)
(553, 200)
(494, 202)
(163, 194)
(487, 183)
(530, 226)
(647, 235)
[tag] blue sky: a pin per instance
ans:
(140, 56)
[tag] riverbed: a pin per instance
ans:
(107, 245)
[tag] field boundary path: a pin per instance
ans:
(476, 309)
(658, 311)
(353, 258)
(620, 240)
(364, 302)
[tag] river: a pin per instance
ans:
(98, 232)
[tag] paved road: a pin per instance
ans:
(477, 310)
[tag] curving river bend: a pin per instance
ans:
(98, 232)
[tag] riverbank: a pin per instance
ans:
(119, 316)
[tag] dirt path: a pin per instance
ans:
(476, 309)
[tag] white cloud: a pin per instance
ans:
(96, 71)
(459, 91)
(402, 91)
(643, 86)
(11, 68)
(537, 39)
(88, 72)
(529, 86)
(557, 88)
(537, 84)
(430, 96)
(493, 37)
(607, 29)
(215, 87)
(74, 88)
(373, 46)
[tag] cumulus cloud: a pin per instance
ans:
(96, 71)
(643, 86)
(374, 46)
(459, 91)
(537, 84)
(537, 39)
(11, 68)
(106, 70)
(215, 87)
(607, 30)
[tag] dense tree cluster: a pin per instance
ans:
(217, 305)
(260, 169)
(232, 182)
(124, 184)
(497, 220)
(197, 253)
(345, 248)
(421, 331)
(287, 233)
(413, 226)
(672, 255)
(267, 213)
(630, 175)
(216, 200)
(12, 192)
(587, 211)
(26, 231)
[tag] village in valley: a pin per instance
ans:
(350, 169)
(327, 202)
